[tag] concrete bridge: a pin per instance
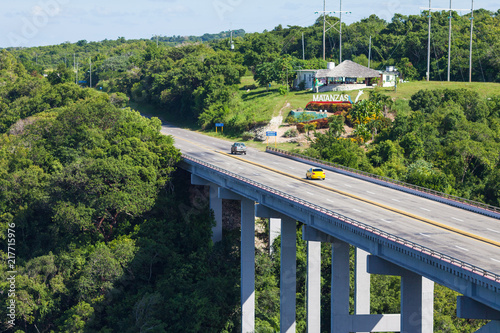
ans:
(395, 233)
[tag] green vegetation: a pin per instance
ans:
(110, 238)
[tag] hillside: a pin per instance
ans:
(110, 238)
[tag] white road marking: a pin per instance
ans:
(457, 219)
(329, 200)
(370, 192)
(424, 235)
(386, 221)
(495, 260)
(498, 232)
(347, 185)
(396, 200)
(291, 168)
(309, 193)
(427, 210)
(357, 210)
(461, 248)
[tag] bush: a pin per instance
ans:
(291, 133)
(291, 120)
(249, 87)
(248, 136)
(335, 108)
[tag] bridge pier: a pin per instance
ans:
(470, 309)
(417, 296)
(247, 259)
(215, 205)
(288, 272)
(362, 284)
(341, 321)
(274, 231)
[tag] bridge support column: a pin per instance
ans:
(274, 231)
(313, 287)
(247, 266)
(247, 259)
(417, 296)
(288, 275)
(362, 284)
(340, 287)
(314, 239)
(215, 205)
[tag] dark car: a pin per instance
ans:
(238, 148)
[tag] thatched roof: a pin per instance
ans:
(348, 68)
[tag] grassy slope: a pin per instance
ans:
(271, 101)
(406, 90)
(264, 103)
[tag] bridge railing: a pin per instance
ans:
(390, 180)
(457, 262)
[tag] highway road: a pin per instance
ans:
(464, 235)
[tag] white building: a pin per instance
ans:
(389, 76)
(306, 76)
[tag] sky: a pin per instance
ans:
(30, 23)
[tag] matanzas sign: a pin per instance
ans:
(342, 98)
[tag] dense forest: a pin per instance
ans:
(108, 236)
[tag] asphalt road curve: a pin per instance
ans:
(470, 237)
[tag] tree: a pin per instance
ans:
(61, 75)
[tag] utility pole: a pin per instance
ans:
(324, 27)
(370, 52)
(470, 48)
(303, 48)
(74, 66)
(90, 81)
(449, 37)
(340, 33)
(449, 45)
(429, 46)
(332, 26)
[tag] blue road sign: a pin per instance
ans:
(219, 125)
(271, 133)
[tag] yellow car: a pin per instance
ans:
(315, 173)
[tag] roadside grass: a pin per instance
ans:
(406, 90)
